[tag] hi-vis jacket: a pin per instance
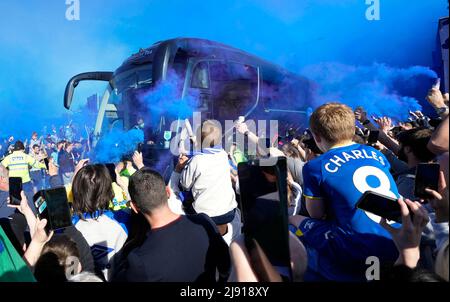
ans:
(18, 164)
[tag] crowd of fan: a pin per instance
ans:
(63, 149)
(135, 227)
(71, 132)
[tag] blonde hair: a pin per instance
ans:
(334, 122)
(211, 134)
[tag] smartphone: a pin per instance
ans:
(112, 171)
(139, 147)
(264, 210)
(381, 205)
(46, 162)
(427, 176)
(373, 137)
(53, 205)
(310, 143)
(15, 187)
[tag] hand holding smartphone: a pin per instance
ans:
(380, 205)
(139, 148)
(53, 206)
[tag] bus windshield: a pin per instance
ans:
(135, 101)
(123, 109)
(133, 78)
(116, 104)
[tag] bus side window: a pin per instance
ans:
(289, 94)
(200, 76)
(234, 88)
(180, 63)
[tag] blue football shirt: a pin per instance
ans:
(341, 176)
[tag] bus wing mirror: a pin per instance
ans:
(86, 76)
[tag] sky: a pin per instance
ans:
(40, 50)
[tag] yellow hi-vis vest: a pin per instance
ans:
(18, 164)
(119, 200)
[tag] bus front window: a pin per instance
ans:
(113, 117)
(126, 86)
(136, 101)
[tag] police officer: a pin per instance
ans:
(18, 164)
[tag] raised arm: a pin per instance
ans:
(438, 143)
(386, 140)
(39, 239)
(34, 163)
(252, 137)
(385, 124)
(300, 149)
(437, 100)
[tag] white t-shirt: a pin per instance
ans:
(207, 176)
(105, 236)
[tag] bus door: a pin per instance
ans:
(235, 89)
(197, 87)
(224, 90)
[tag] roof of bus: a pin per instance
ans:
(212, 49)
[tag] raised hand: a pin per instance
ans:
(385, 124)
(80, 165)
(435, 98)
(407, 237)
(138, 160)
(241, 127)
(360, 114)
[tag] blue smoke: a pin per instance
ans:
(165, 98)
(117, 144)
(36, 65)
(380, 89)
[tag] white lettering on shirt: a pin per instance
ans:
(336, 161)
(327, 167)
(357, 154)
(365, 154)
(347, 156)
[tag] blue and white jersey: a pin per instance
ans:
(341, 176)
(105, 234)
